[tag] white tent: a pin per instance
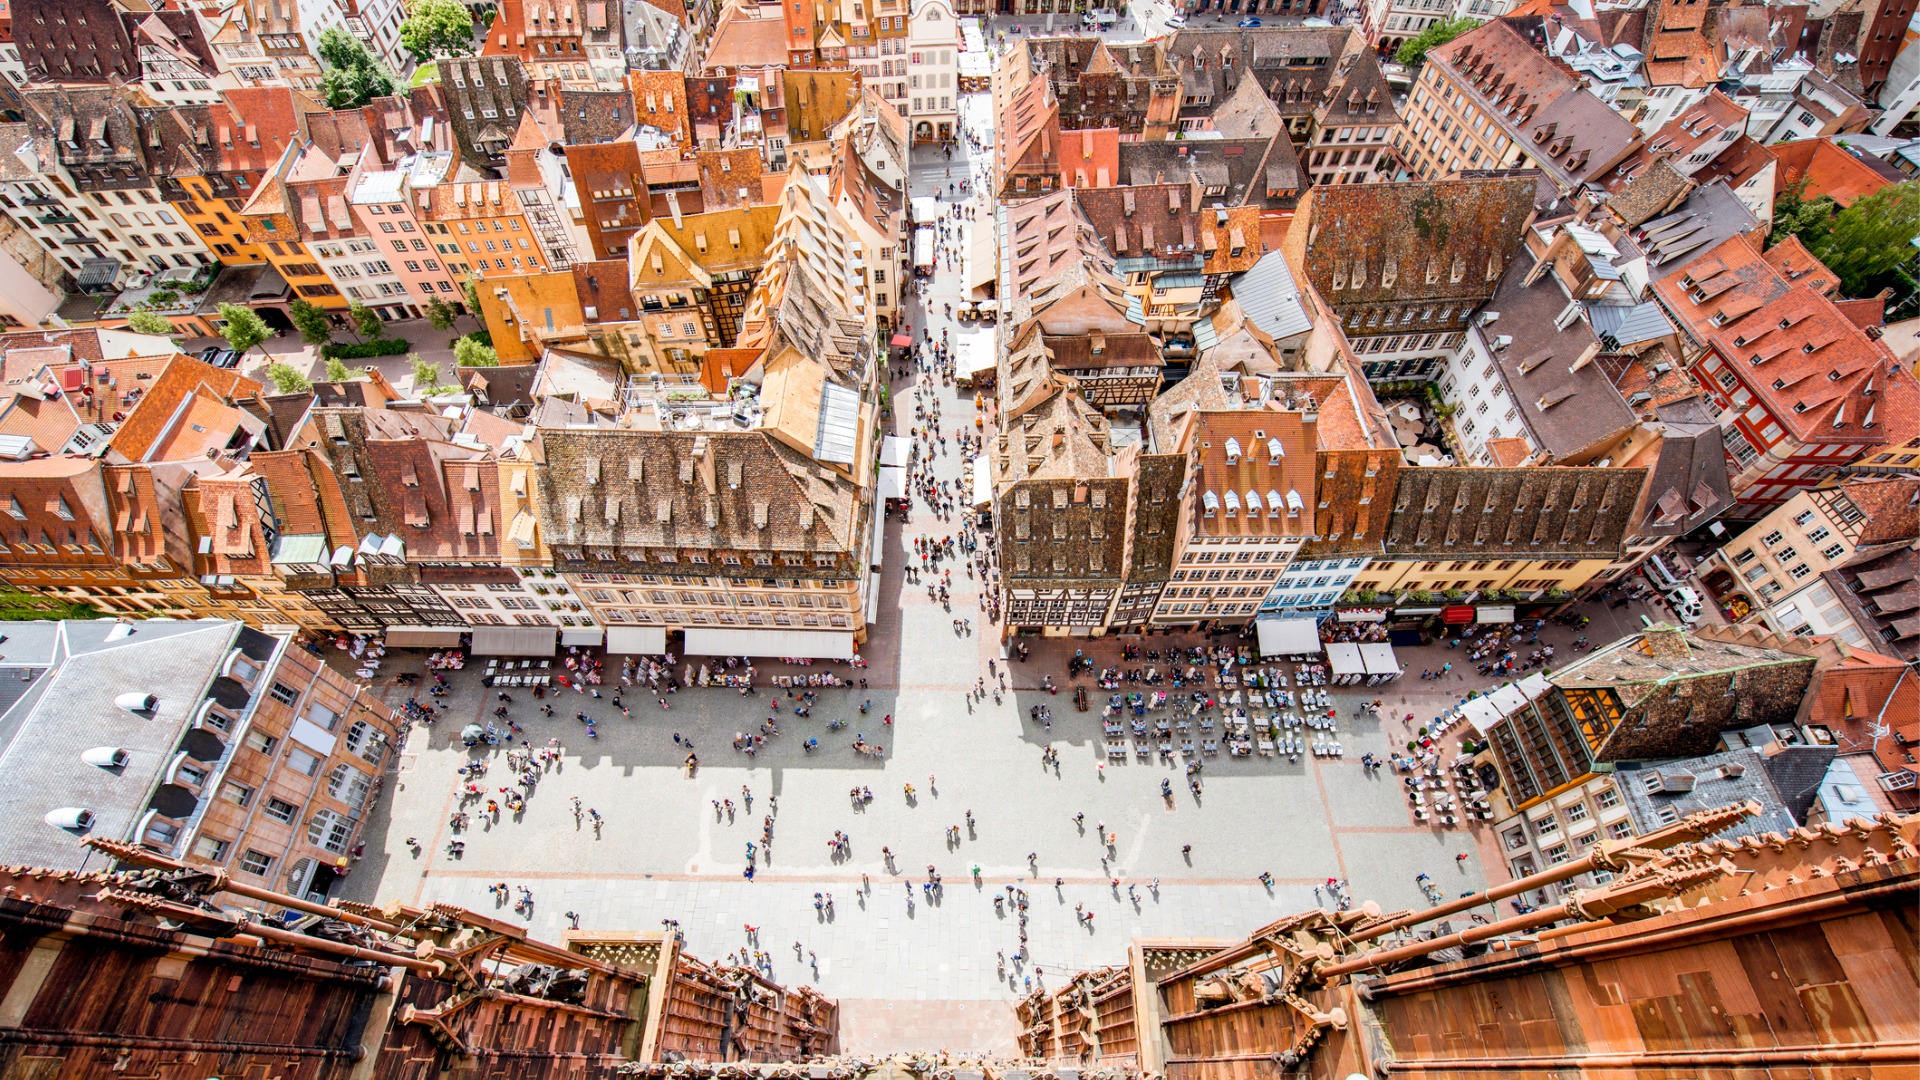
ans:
(1286, 637)
(982, 482)
(1343, 658)
(1379, 658)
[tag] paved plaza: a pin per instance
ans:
(912, 970)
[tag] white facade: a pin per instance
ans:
(363, 272)
(171, 80)
(1663, 103)
(1312, 583)
(1562, 828)
(933, 71)
(1484, 409)
(1227, 578)
(1900, 97)
(1816, 611)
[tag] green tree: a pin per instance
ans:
(470, 353)
(1415, 51)
(472, 288)
(440, 314)
(366, 322)
(436, 28)
(1796, 215)
(353, 76)
(1871, 238)
(426, 376)
(243, 329)
(147, 322)
(288, 379)
(338, 371)
(312, 323)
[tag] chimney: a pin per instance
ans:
(673, 207)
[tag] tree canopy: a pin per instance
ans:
(243, 329)
(1869, 241)
(436, 28)
(288, 379)
(353, 76)
(312, 323)
(426, 376)
(468, 352)
(147, 322)
(1415, 50)
(366, 321)
(1796, 215)
(440, 314)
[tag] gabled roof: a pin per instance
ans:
(1540, 512)
(1830, 170)
(1434, 240)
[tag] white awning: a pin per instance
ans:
(636, 640)
(973, 352)
(982, 482)
(983, 263)
(814, 644)
(893, 482)
(424, 637)
(1285, 637)
(1508, 699)
(1343, 658)
(582, 635)
(873, 598)
(923, 249)
(1361, 615)
(1379, 659)
(1481, 713)
(926, 209)
(514, 641)
(894, 450)
(1493, 614)
(877, 550)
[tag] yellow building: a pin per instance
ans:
(527, 313)
(482, 229)
(272, 223)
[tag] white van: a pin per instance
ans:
(1686, 604)
(1659, 576)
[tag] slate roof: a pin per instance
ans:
(72, 708)
(1688, 484)
(1710, 214)
(1294, 64)
(1882, 593)
(1249, 169)
(1573, 134)
(1541, 512)
(1784, 784)
(1567, 402)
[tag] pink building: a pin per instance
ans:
(404, 270)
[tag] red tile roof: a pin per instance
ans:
(1819, 374)
(1828, 170)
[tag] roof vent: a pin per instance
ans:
(71, 818)
(137, 702)
(106, 757)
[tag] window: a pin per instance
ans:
(1819, 534)
(1743, 557)
(1832, 551)
(1798, 571)
(1577, 812)
(302, 762)
(1666, 815)
(1545, 825)
(349, 785)
(237, 794)
(1802, 518)
(1786, 554)
(282, 693)
(279, 809)
(1774, 538)
(210, 849)
(329, 830)
(1608, 798)
(367, 741)
(261, 741)
(322, 717)
(256, 862)
(1620, 830)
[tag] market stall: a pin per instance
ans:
(1382, 665)
(1344, 663)
(1289, 637)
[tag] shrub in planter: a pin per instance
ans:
(360, 350)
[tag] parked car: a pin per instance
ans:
(1248, 24)
(1176, 22)
(226, 358)
(207, 354)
